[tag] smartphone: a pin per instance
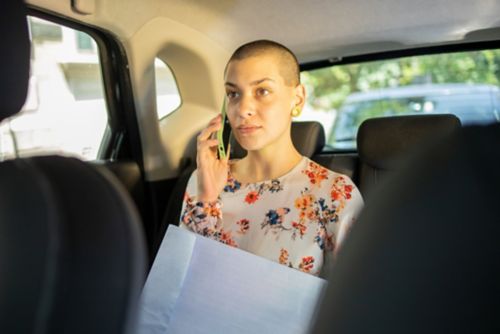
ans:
(223, 133)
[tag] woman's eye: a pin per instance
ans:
(232, 95)
(262, 92)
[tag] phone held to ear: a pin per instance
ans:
(223, 137)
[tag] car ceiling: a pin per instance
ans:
(314, 29)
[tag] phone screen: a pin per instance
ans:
(223, 136)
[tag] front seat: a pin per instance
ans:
(424, 256)
(72, 254)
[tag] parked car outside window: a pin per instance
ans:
(472, 104)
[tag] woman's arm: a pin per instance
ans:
(347, 204)
(202, 207)
(201, 217)
(211, 172)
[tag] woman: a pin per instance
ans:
(275, 202)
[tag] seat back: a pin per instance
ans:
(424, 256)
(71, 251)
(384, 142)
(72, 255)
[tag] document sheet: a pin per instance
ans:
(198, 285)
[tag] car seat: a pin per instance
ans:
(424, 256)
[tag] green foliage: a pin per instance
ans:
(329, 87)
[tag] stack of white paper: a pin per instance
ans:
(198, 285)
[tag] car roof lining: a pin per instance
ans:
(314, 30)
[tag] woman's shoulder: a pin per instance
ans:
(337, 186)
(318, 173)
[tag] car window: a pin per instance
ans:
(65, 111)
(465, 84)
(168, 98)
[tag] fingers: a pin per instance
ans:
(208, 143)
(214, 125)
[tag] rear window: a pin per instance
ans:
(341, 97)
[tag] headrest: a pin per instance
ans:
(14, 58)
(308, 138)
(382, 141)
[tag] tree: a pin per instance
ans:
(329, 87)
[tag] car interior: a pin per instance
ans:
(80, 229)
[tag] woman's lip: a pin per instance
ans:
(248, 129)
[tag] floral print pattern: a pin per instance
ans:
(306, 264)
(232, 185)
(298, 228)
(297, 220)
(203, 218)
(283, 259)
(253, 195)
(274, 220)
(305, 205)
(341, 191)
(244, 225)
(226, 238)
(316, 173)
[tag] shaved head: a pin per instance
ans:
(287, 62)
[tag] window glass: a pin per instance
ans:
(342, 97)
(65, 111)
(167, 94)
(84, 41)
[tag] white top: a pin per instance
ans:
(298, 219)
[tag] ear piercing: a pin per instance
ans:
(296, 112)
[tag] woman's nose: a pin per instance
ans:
(246, 107)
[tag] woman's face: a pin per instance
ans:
(259, 102)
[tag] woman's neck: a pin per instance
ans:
(268, 163)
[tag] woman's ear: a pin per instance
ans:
(300, 96)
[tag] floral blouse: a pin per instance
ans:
(298, 219)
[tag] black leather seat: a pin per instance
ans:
(424, 256)
(384, 142)
(72, 254)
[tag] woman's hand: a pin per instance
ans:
(212, 172)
